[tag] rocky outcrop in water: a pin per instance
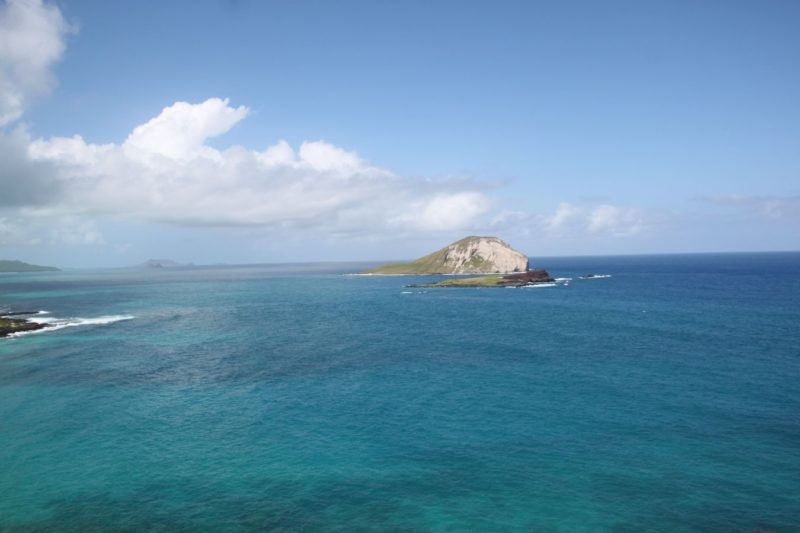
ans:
(521, 279)
(9, 326)
(526, 278)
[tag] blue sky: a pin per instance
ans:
(302, 131)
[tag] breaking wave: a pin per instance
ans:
(61, 323)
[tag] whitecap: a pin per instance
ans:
(54, 323)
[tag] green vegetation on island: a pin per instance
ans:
(480, 281)
(19, 266)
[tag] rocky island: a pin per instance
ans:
(501, 265)
(10, 324)
(470, 255)
(520, 279)
(163, 263)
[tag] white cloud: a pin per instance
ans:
(614, 220)
(31, 231)
(578, 221)
(565, 215)
(73, 230)
(181, 130)
(32, 36)
(444, 212)
(277, 154)
(12, 233)
(22, 181)
(769, 207)
(166, 172)
(324, 157)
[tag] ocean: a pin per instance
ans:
(665, 397)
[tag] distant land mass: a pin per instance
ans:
(19, 266)
(470, 255)
(162, 263)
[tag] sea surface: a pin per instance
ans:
(298, 398)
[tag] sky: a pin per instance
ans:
(227, 131)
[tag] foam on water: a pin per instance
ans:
(61, 323)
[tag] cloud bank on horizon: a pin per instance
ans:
(167, 172)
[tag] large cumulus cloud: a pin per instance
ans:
(23, 181)
(166, 171)
(32, 40)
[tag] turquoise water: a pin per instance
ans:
(664, 398)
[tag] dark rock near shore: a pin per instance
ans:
(521, 279)
(9, 326)
(524, 278)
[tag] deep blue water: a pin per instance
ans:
(664, 398)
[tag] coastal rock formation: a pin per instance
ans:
(520, 279)
(526, 278)
(9, 326)
(471, 255)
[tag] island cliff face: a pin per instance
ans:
(471, 255)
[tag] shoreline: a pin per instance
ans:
(422, 274)
(9, 326)
(529, 278)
